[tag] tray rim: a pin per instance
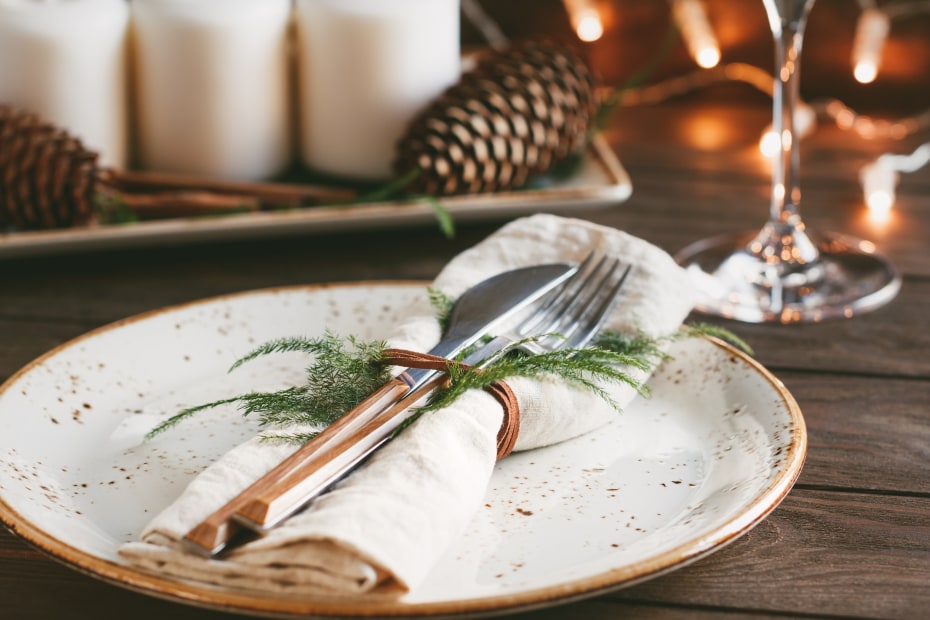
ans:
(614, 188)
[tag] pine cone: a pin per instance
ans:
(517, 114)
(47, 177)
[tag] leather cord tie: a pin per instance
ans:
(510, 425)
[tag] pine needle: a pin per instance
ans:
(636, 345)
(342, 374)
(186, 413)
(344, 371)
(590, 369)
(715, 331)
(443, 216)
(443, 305)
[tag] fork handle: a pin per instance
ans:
(314, 476)
(211, 535)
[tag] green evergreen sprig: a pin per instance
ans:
(589, 369)
(636, 345)
(343, 372)
(721, 333)
(443, 304)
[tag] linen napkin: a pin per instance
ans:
(381, 529)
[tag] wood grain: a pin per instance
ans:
(824, 553)
(865, 433)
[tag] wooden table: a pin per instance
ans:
(853, 537)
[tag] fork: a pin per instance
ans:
(568, 318)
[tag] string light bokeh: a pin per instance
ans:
(875, 25)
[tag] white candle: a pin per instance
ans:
(365, 68)
(212, 86)
(65, 60)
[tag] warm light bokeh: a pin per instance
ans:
(696, 32)
(708, 57)
(871, 32)
(589, 27)
(865, 72)
(585, 18)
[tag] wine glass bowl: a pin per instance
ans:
(784, 273)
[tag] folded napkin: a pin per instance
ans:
(381, 529)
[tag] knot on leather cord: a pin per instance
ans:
(510, 425)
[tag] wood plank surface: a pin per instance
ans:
(821, 554)
(828, 554)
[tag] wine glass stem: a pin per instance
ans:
(782, 273)
(788, 32)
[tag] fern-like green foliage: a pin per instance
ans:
(715, 331)
(636, 345)
(394, 189)
(345, 370)
(589, 369)
(342, 374)
(111, 210)
(443, 305)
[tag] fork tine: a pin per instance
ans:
(598, 317)
(546, 316)
(569, 317)
(569, 320)
(564, 321)
(564, 301)
(553, 306)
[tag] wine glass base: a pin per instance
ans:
(847, 279)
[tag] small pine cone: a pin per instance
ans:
(517, 114)
(47, 177)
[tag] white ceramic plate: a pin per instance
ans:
(600, 182)
(675, 477)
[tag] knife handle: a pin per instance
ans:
(314, 476)
(213, 533)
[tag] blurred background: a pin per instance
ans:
(634, 31)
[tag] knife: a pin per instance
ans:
(477, 312)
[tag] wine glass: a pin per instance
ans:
(785, 273)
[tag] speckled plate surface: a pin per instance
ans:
(675, 477)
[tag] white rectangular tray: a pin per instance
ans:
(600, 182)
